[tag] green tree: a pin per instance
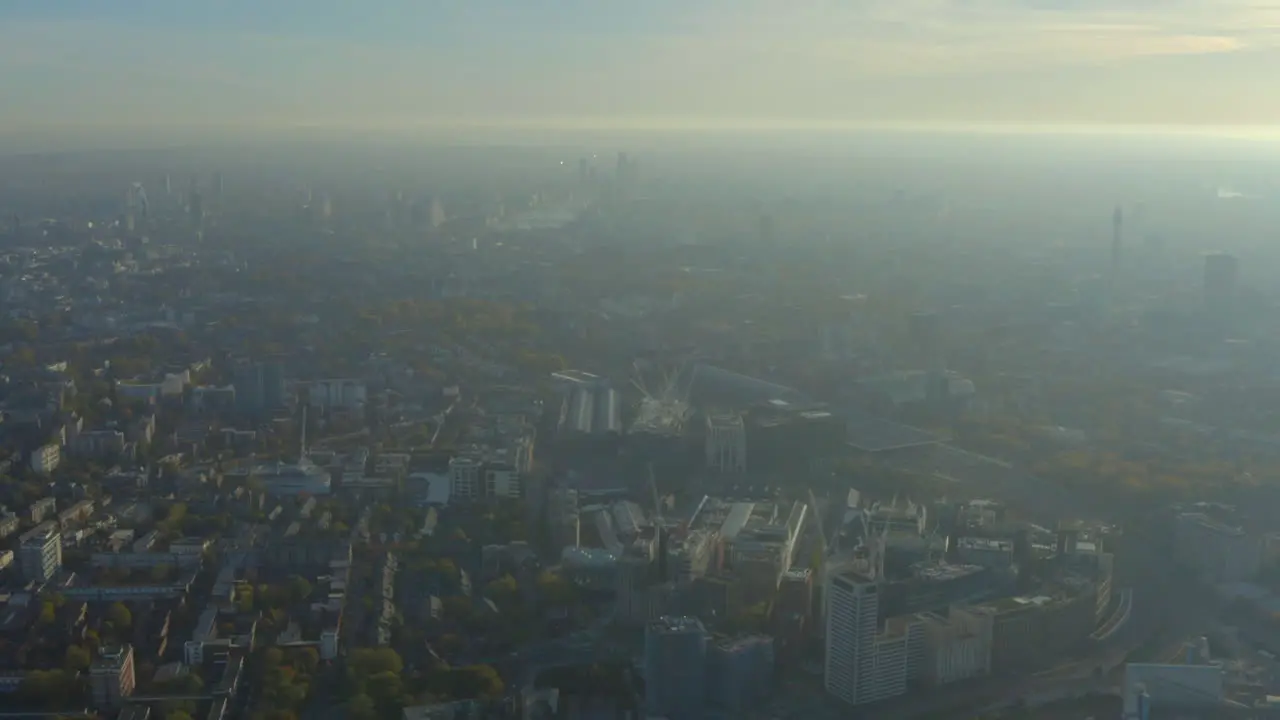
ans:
(502, 589)
(475, 681)
(120, 617)
(272, 657)
(299, 589)
(385, 688)
(361, 707)
(555, 589)
(366, 662)
(307, 660)
(77, 659)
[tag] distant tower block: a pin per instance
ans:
(1117, 240)
(438, 216)
(926, 340)
(768, 230)
(1221, 271)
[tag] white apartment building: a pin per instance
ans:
(46, 459)
(40, 552)
(726, 443)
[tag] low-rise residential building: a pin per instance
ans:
(97, 444)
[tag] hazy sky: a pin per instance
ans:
(402, 63)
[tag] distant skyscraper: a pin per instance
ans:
(582, 171)
(768, 230)
(136, 203)
(926, 340)
(621, 171)
(195, 208)
(217, 186)
(1117, 242)
(675, 665)
(1220, 273)
(168, 186)
(438, 216)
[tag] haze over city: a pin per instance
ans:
(398, 64)
(701, 360)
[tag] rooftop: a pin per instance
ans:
(112, 657)
(676, 624)
(872, 434)
(943, 572)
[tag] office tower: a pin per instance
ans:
(635, 575)
(726, 443)
(272, 385)
(740, 673)
(926, 340)
(768, 231)
(168, 185)
(111, 677)
(675, 667)
(195, 208)
(438, 216)
(136, 205)
(40, 552)
(564, 518)
(1220, 273)
(259, 387)
(862, 666)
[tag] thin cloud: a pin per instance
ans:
(919, 60)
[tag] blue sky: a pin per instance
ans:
(404, 63)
